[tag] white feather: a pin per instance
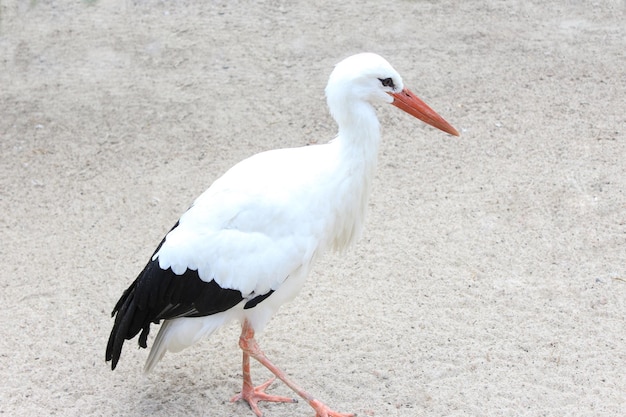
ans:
(262, 224)
(178, 334)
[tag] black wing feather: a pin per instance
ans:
(159, 294)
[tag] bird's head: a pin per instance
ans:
(368, 77)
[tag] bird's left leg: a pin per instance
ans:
(250, 347)
(252, 395)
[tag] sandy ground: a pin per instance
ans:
(491, 279)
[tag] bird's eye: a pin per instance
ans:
(387, 82)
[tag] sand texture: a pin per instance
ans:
(491, 277)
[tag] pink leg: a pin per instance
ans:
(250, 347)
(252, 395)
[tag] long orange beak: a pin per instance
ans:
(410, 103)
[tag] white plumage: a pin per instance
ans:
(256, 232)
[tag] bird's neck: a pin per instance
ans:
(359, 132)
(359, 140)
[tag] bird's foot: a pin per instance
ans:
(253, 395)
(322, 410)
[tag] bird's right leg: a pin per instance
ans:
(250, 347)
(252, 395)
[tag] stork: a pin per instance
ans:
(249, 241)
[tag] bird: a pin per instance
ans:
(247, 244)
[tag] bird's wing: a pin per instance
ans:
(239, 241)
(251, 228)
(252, 249)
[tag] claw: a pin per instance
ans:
(253, 395)
(322, 410)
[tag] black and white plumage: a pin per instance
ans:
(247, 244)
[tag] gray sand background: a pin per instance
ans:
(491, 278)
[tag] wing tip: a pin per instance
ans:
(123, 329)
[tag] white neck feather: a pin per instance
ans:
(359, 140)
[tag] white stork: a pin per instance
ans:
(247, 243)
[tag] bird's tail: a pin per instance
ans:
(159, 346)
(180, 333)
